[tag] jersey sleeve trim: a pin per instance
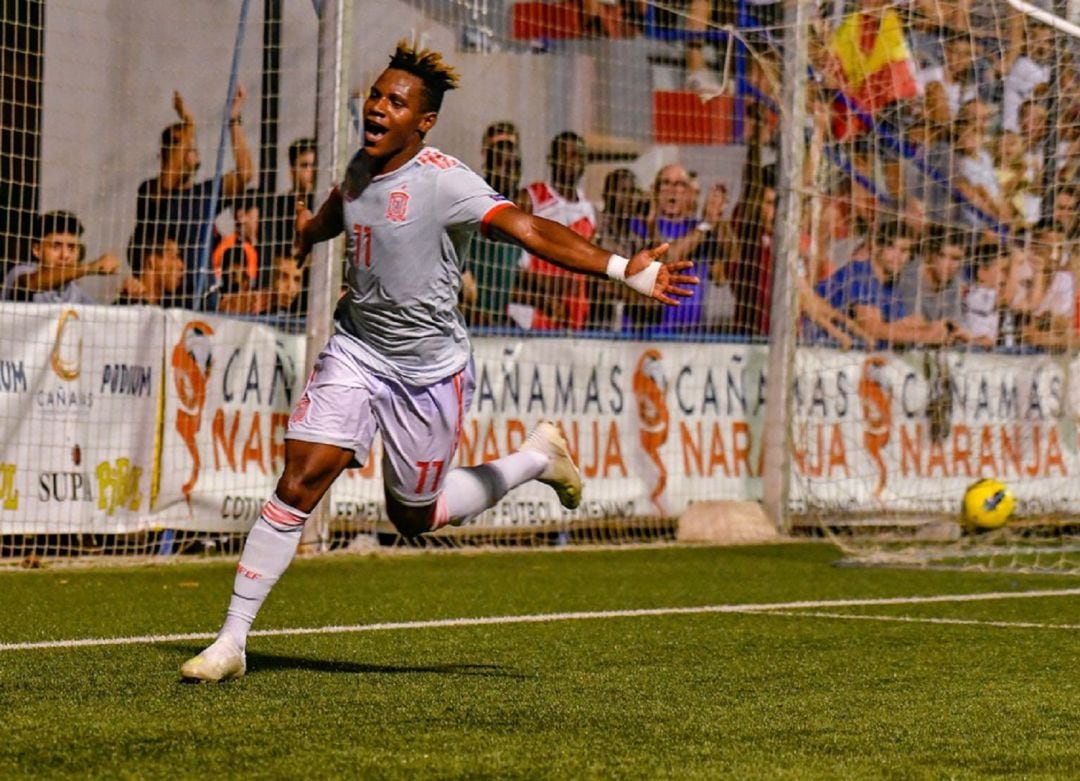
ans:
(486, 221)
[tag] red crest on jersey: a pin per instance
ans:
(397, 206)
(583, 227)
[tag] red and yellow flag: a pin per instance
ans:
(874, 60)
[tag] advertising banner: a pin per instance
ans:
(908, 432)
(121, 419)
(78, 409)
(229, 387)
(652, 426)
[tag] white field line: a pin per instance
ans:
(924, 620)
(539, 618)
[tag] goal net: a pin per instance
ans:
(878, 198)
(937, 282)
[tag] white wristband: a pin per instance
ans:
(645, 280)
(616, 267)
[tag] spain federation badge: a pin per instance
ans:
(397, 206)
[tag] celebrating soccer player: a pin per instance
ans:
(400, 360)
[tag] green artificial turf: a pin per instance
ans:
(680, 696)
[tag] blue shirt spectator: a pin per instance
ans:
(864, 290)
(856, 284)
(688, 315)
(674, 220)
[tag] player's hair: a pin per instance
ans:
(428, 66)
(299, 147)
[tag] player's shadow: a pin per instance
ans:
(266, 662)
(278, 662)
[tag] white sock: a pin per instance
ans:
(270, 547)
(469, 490)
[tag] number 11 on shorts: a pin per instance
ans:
(425, 467)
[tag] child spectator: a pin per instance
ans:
(157, 268)
(53, 275)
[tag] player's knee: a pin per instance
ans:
(297, 489)
(410, 521)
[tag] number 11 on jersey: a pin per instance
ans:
(362, 237)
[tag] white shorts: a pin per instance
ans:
(344, 403)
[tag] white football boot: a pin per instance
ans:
(561, 473)
(222, 660)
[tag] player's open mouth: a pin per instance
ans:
(373, 132)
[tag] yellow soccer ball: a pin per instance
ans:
(988, 504)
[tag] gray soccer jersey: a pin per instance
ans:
(407, 231)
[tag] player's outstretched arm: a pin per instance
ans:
(556, 243)
(325, 224)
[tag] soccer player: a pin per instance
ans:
(400, 360)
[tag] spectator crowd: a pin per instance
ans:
(938, 204)
(250, 271)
